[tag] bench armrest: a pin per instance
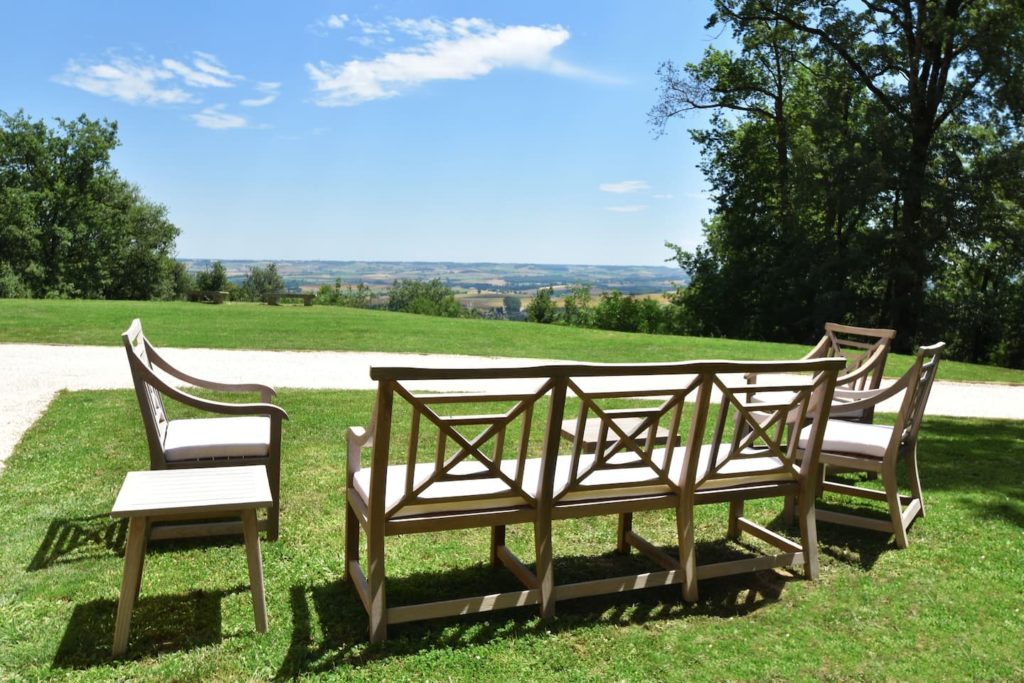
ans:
(357, 439)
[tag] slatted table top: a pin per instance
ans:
(201, 489)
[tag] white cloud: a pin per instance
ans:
(270, 90)
(144, 80)
(215, 117)
(624, 187)
(628, 208)
(460, 50)
(126, 80)
(205, 72)
(337, 21)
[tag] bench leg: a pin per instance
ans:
(135, 551)
(545, 573)
(625, 526)
(378, 602)
(497, 541)
(808, 530)
(255, 560)
(687, 551)
(735, 512)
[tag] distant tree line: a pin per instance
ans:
(866, 164)
(612, 311)
(70, 225)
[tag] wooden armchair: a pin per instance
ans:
(249, 434)
(865, 350)
(878, 448)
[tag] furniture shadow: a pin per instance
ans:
(75, 539)
(330, 625)
(162, 623)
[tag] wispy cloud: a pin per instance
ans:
(624, 187)
(462, 49)
(217, 118)
(628, 208)
(206, 72)
(270, 92)
(126, 80)
(143, 80)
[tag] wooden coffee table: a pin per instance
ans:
(182, 495)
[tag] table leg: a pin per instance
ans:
(255, 559)
(134, 551)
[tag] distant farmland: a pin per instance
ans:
(478, 284)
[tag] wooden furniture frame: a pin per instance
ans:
(150, 390)
(149, 497)
(879, 448)
(865, 350)
(468, 480)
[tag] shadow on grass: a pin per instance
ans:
(966, 455)
(163, 623)
(341, 639)
(80, 538)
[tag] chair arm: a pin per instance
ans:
(357, 438)
(266, 393)
(852, 400)
(188, 399)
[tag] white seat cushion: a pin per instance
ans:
(217, 437)
(751, 467)
(451, 495)
(454, 495)
(855, 438)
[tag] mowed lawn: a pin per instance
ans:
(329, 328)
(947, 608)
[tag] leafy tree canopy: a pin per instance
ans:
(70, 226)
(865, 164)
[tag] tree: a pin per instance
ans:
(512, 305)
(925, 62)
(847, 155)
(261, 282)
(69, 224)
(213, 279)
(541, 308)
(576, 306)
(424, 298)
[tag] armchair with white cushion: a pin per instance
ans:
(244, 434)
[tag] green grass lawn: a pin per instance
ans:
(328, 328)
(947, 608)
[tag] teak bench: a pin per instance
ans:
(447, 460)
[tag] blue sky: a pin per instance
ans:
(433, 131)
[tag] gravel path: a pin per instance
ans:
(31, 374)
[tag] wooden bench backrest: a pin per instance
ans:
(498, 441)
(464, 437)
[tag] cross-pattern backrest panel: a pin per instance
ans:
(626, 436)
(744, 421)
(450, 448)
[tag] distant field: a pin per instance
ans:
(329, 328)
(496, 279)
